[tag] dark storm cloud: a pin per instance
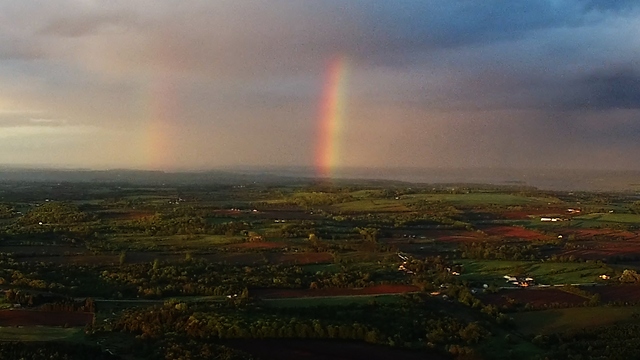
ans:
(609, 89)
(396, 28)
(426, 24)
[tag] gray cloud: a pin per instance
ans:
(428, 83)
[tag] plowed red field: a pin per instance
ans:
(598, 250)
(587, 234)
(459, 236)
(514, 232)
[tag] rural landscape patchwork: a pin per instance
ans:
(319, 180)
(307, 269)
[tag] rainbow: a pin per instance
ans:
(161, 107)
(331, 119)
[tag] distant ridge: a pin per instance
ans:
(561, 180)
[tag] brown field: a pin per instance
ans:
(45, 318)
(272, 349)
(601, 233)
(617, 293)
(514, 232)
(538, 298)
(599, 250)
(242, 258)
(298, 293)
(457, 236)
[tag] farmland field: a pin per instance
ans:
(388, 270)
(325, 350)
(332, 300)
(515, 232)
(537, 298)
(618, 294)
(547, 273)
(610, 217)
(39, 333)
(343, 292)
(49, 318)
(573, 319)
(482, 199)
(372, 206)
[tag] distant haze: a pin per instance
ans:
(557, 180)
(196, 85)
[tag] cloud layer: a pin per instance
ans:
(201, 84)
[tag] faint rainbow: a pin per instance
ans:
(160, 107)
(331, 119)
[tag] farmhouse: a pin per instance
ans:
(526, 282)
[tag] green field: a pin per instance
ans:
(40, 333)
(475, 199)
(549, 273)
(503, 346)
(611, 217)
(573, 319)
(377, 205)
(174, 242)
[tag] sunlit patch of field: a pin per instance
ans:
(476, 199)
(173, 242)
(377, 205)
(611, 217)
(548, 273)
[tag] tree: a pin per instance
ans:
(123, 258)
(629, 276)
(369, 234)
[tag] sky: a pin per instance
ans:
(194, 85)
